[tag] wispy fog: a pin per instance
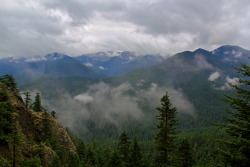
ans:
(103, 103)
(228, 81)
(178, 99)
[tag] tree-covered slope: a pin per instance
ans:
(29, 138)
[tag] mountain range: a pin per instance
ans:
(96, 65)
(195, 80)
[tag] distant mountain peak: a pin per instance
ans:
(231, 53)
(230, 47)
(56, 55)
(127, 55)
(201, 51)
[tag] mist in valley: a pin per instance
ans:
(103, 104)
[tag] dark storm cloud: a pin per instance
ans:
(36, 27)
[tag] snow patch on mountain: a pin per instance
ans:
(88, 64)
(36, 59)
(102, 68)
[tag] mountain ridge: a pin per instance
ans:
(97, 65)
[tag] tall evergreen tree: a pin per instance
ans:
(166, 131)
(27, 99)
(123, 148)
(237, 152)
(185, 154)
(53, 113)
(135, 157)
(37, 106)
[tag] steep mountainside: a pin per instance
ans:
(29, 138)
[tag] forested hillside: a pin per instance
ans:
(30, 136)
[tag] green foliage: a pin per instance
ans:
(80, 148)
(5, 120)
(91, 157)
(238, 123)
(9, 81)
(63, 157)
(135, 157)
(3, 95)
(115, 160)
(31, 162)
(123, 149)
(185, 154)
(6, 125)
(56, 162)
(166, 134)
(37, 106)
(4, 163)
(53, 113)
(46, 127)
(73, 160)
(27, 99)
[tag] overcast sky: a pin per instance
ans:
(74, 27)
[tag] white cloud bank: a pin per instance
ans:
(37, 27)
(104, 103)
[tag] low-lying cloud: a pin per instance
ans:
(228, 81)
(177, 97)
(111, 104)
(84, 98)
(214, 76)
(103, 103)
(202, 63)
